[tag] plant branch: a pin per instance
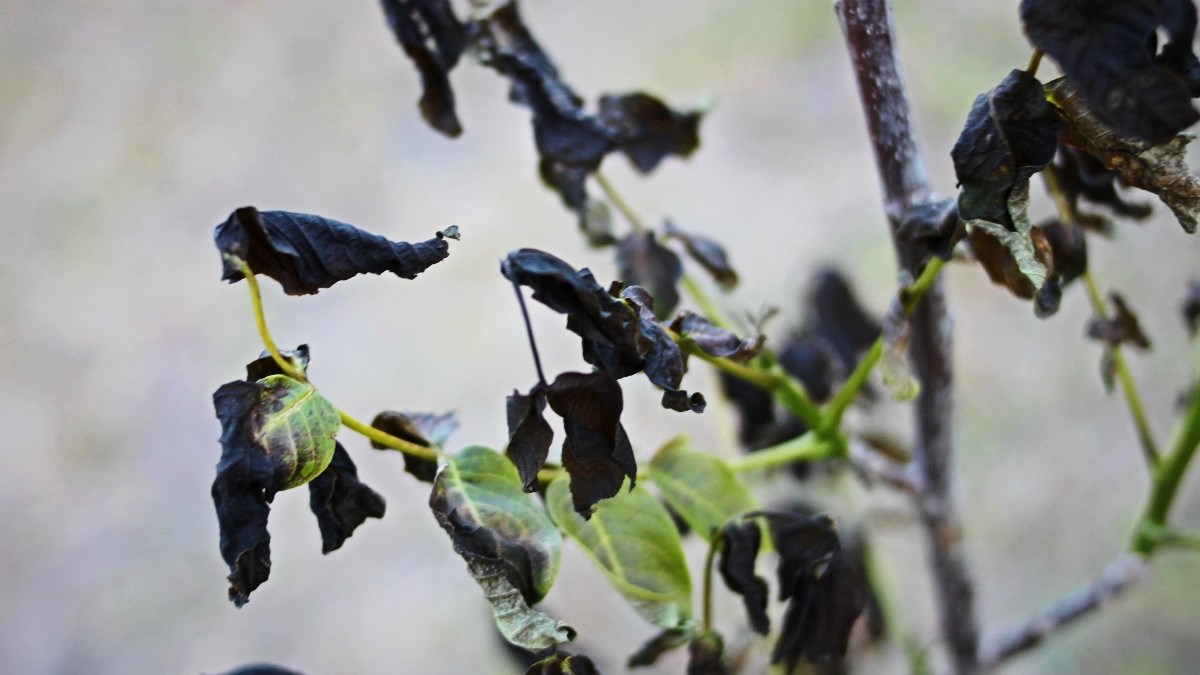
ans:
(869, 33)
(1034, 62)
(387, 440)
(809, 447)
(1119, 575)
(1166, 536)
(537, 360)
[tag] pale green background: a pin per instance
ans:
(129, 128)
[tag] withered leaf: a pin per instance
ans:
(642, 261)
(663, 359)
(424, 429)
(706, 655)
(1084, 178)
(834, 313)
(738, 553)
(647, 130)
(306, 253)
(434, 39)
(714, 340)
(824, 590)
(1108, 49)
(596, 452)
(561, 664)
(934, 227)
(341, 502)
(667, 641)
(1002, 266)
(754, 406)
(814, 361)
(1191, 307)
(529, 435)
(1121, 328)
(1161, 169)
(708, 253)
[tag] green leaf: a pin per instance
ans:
(296, 425)
(634, 542)
(701, 488)
(510, 546)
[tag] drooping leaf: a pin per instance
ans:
(1108, 49)
(1068, 251)
(276, 433)
(1003, 266)
(340, 501)
(708, 253)
(510, 546)
(824, 590)
(834, 313)
(647, 130)
(529, 435)
(434, 39)
(306, 253)
(934, 227)
(813, 360)
(427, 430)
(662, 359)
(1161, 169)
(642, 261)
(739, 551)
(667, 641)
(1084, 178)
(714, 340)
(596, 452)
(1122, 327)
(560, 664)
(706, 655)
(700, 487)
(633, 541)
(1191, 307)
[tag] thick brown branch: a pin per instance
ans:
(1119, 575)
(867, 25)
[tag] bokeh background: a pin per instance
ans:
(129, 128)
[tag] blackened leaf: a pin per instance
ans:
(1011, 133)
(754, 405)
(596, 453)
(933, 226)
(1121, 328)
(716, 341)
(824, 590)
(1003, 266)
(405, 426)
(564, 665)
(1161, 169)
(667, 641)
(529, 435)
(1107, 49)
(1191, 307)
(340, 501)
(648, 131)
(1068, 251)
(736, 563)
(700, 487)
(632, 539)
(815, 361)
(642, 261)
(833, 312)
(1083, 177)
(708, 253)
(434, 39)
(663, 359)
(705, 655)
(679, 401)
(265, 365)
(306, 253)
(511, 547)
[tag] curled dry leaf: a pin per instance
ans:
(434, 39)
(714, 340)
(529, 435)
(706, 655)
(643, 261)
(1084, 178)
(1122, 327)
(667, 641)
(306, 253)
(341, 502)
(1109, 51)
(424, 429)
(1161, 169)
(708, 253)
(741, 541)
(561, 664)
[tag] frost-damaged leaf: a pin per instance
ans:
(647, 130)
(834, 313)
(511, 547)
(596, 452)
(716, 341)
(306, 253)
(634, 542)
(276, 433)
(755, 408)
(814, 361)
(1191, 307)
(708, 253)
(434, 39)
(934, 227)
(701, 488)
(706, 655)
(667, 641)
(424, 429)
(529, 435)
(340, 501)
(1108, 50)
(1121, 328)
(1083, 178)
(642, 261)
(825, 591)
(1161, 169)
(739, 550)
(999, 260)
(564, 665)
(663, 359)
(893, 363)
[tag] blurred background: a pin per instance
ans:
(130, 128)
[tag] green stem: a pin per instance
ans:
(812, 446)
(706, 612)
(1034, 62)
(1165, 536)
(1132, 398)
(387, 440)
(910, 296)
(636, 222)
(1167, 477)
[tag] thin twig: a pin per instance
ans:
(869, 32)
(1118, 576)
(537, 360)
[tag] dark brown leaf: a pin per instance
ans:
(667, 641)
(716, 341)
(642, 261)
(933, 227)
(408, 427)
(529, 435)
(596, 453)
(737, 557)
(1121, 328)
(561, 664)
(341, 501)
(434, 39)
(706, 655)
(647, 130)
(708, 253)
(1191, 307)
